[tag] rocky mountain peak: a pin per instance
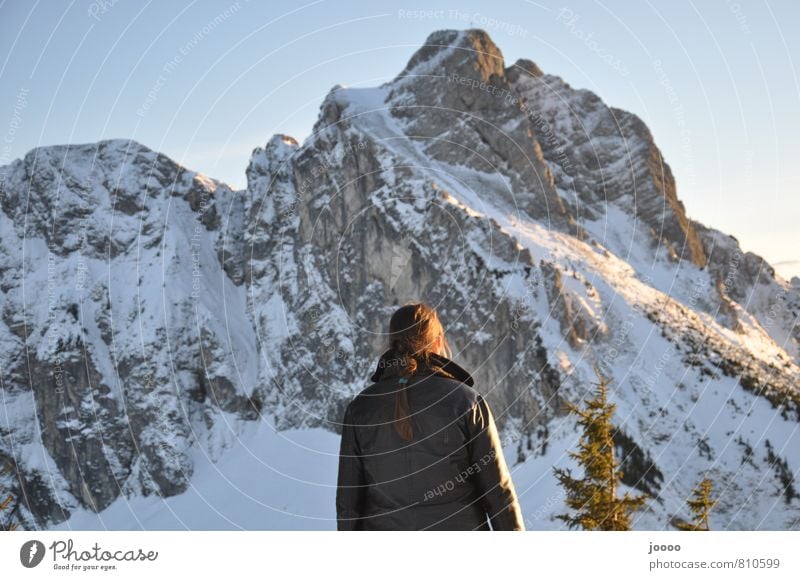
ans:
(523, 66)
(466, 53)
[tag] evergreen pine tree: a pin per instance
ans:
(700, 505)
(594, 497)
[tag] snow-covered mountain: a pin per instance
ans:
(179, 354)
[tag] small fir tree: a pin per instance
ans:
(594, 497)
(700, 505)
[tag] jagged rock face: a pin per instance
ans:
(605, 155)
(142, 300)
(109, 271)
(366, 242)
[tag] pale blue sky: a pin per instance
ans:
(716, 81)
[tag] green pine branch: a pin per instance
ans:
(6, 523)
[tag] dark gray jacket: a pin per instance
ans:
(451, 476)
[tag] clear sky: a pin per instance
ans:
(206, 82)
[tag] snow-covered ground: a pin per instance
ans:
(260, 480)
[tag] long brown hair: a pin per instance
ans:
(413, 331)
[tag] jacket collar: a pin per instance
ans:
(439, 363)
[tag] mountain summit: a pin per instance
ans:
(152, 316)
